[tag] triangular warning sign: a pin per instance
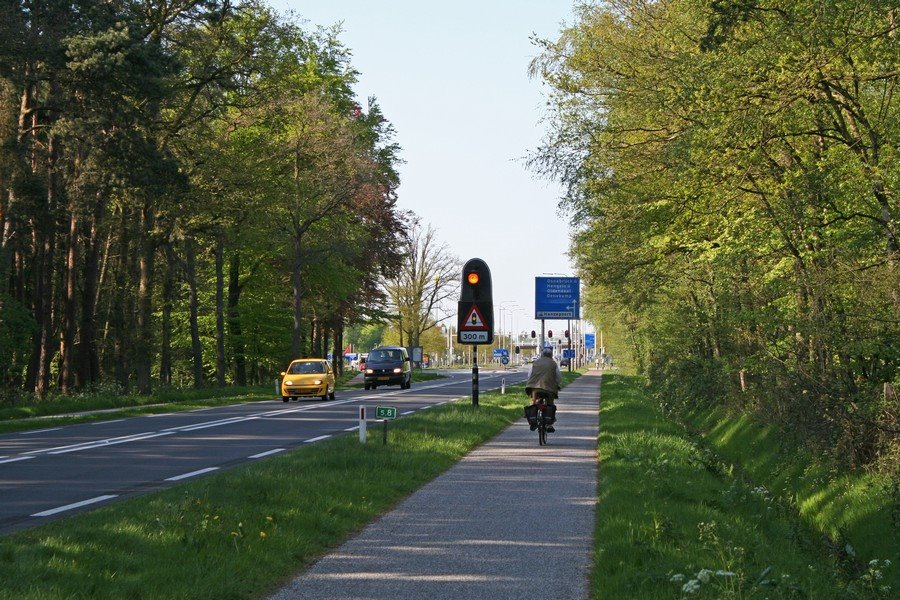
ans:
(474, 321)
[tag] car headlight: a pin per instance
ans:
(288, 383)
(369, 371)
(398, 370)
(318, 382)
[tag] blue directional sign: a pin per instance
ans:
(568, 353)
(500, 352)
(557, 297)
(505, 360)
(590, 341)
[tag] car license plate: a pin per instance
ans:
(383, 378)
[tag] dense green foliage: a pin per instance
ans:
(189, 194)
(678, 519)
(732, 170)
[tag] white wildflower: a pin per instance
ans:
(691, 587)
(849, 550)
(703, 575)
(721, 573)
(873, 563)
(676, 578)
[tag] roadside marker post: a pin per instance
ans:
(362, 424)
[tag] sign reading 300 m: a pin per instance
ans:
(557, 297)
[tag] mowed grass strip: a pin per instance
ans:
(240, 533)
(673, 521)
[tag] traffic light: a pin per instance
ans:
(475, 309)
(533, 334)
(567, 333)
(476, 282)
(549, 333)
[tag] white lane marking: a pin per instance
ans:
(104, 443)
(425, 407)
(269, 453)
(409, 412)
(38, 431)
(211, 424)
(17, 459)
(317, 439)
(192, 474)
(60, 509)
(354, 428)
(107, 422)
(96, 443)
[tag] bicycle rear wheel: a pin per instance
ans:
(542, 429)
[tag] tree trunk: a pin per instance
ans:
(234, 320)
(220, 312)
(88, 357)
(144, 342)
(190, 274)
(168, 294)
(337, 360)
(296, 283)
(69, 317)
(119, 312)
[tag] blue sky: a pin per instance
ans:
(452, 78)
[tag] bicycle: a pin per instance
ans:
(541, 416)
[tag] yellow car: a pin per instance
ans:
(308, 377)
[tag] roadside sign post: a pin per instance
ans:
(385, 413)
(475, 313)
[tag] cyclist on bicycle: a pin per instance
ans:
(544, 379)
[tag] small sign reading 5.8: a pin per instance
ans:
(385, 412)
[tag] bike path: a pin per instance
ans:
(510, 520)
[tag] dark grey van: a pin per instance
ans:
(388, 365)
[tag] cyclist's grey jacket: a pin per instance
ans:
(544, 375)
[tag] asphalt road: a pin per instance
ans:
(57, 471)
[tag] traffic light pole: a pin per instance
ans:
(475, 375)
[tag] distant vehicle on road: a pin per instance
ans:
(307, 377)
(388, 365)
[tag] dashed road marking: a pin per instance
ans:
(192, 474)
(269, 453)
(60, 509)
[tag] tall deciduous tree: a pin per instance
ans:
(427, 279)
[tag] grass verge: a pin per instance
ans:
(675, 521)
(237, 534)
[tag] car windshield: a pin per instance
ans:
(384, 355)
(301, 368)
